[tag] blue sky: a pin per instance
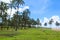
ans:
(43, 8)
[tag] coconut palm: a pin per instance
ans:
(25, 15)
(3, 9)
(5, 22)
(11, 6)
(17, 4)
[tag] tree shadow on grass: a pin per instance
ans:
(7, 35)
(10, 34)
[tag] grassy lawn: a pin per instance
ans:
(30, 34)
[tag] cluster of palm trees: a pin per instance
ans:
(51, 22)
(19, 19)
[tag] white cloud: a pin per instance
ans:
(20, 9)
(55, 18)
(24, 8)
(6, 1)
(46, 19)
(11, 12)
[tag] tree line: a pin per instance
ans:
(19, 19)
(51, 22)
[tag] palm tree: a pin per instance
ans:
(29, 22)
(3, 9)
(5, 22)
(16, 21)
(57, 23)
(17, 4)
(33, 22)
(45, 24)
(50, 22)
(38, 22)
(25, 15)
(11, 6)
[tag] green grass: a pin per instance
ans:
(30, 34)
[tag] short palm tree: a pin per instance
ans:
(57, 23)
(45, 24)
(50, 22)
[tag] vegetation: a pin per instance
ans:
(19, 19)
(30, 34)
(20, 26)
(50, 22)
(45, 24)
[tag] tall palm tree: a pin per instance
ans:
(11, 6)
(16, 19)
(25, 15)
(5, 20)
(3, 9)
(17, 4)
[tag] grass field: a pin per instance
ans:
(30, 34)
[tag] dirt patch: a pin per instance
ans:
(56, 29)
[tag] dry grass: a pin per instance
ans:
(56, 29)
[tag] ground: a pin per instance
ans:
(30, 34)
